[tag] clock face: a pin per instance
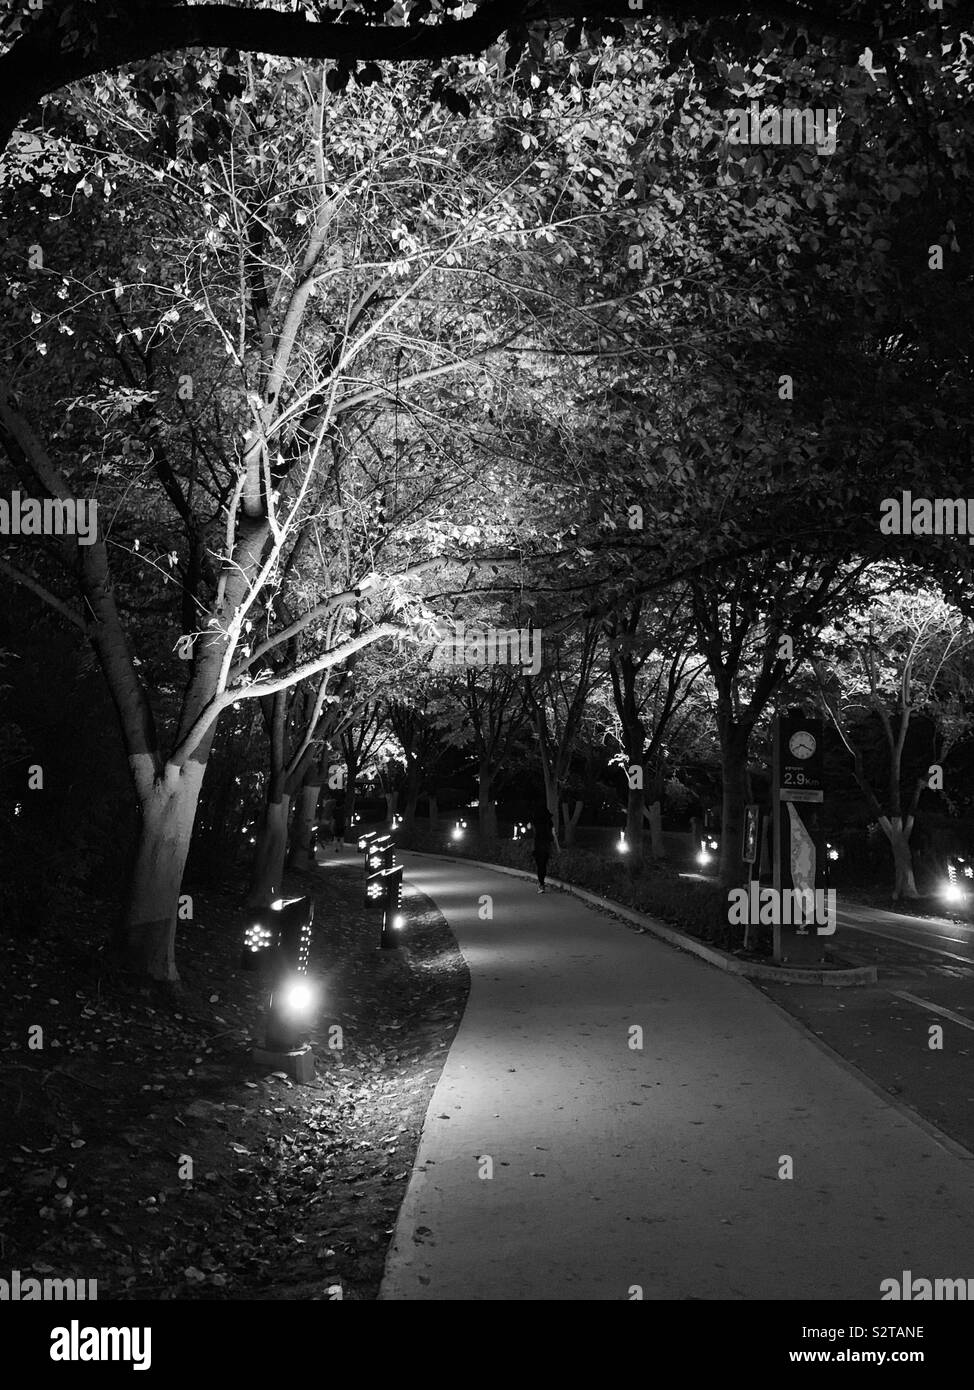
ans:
(802, 744)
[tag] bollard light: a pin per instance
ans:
(953, 890)
(283, 936)
(374, 889)
(364, 840)
(708, 848)
(379, 853)
(623, 843)
(392, 917)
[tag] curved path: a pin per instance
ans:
(559, 1161)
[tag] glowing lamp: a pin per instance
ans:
(298, 996)
(379, 853)
(392, 918)
(283, 937)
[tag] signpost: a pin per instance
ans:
(798, 794)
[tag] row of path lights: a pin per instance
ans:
(278, 939)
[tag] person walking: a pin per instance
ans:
(543, 834)
(338, 819)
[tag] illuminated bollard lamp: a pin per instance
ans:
(365, 839)
(281, 939)
(958, 886)
(383, 891)
(393, 920)
(380, 854)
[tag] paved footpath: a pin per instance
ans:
(614, 1167)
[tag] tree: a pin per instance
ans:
(44, 52)
(653, 668)
(489, 720)
(897, 657)
(294, 298)
(556, 701)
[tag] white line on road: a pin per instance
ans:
(934, 1008)
(852, 925)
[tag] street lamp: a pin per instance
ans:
(623, 843)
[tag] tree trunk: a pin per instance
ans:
(351, 831)
(305, 819)
(635, 806)
(268, 875)
(409, 808)
(486, 810)
(434, 814)
(168, 814)
(655, 816)
(733, 763)
(904, 883)
(392, 806)
(570, 821)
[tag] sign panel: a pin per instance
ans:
(749, 852)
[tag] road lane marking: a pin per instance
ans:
(902, 940)
(934, 1008)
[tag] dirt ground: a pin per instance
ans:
(291, 1191)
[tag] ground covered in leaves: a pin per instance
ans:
(144, 1149)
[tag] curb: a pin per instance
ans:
(753, 970)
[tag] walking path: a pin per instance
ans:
(613, 1167)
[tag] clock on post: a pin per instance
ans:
(798, 826)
